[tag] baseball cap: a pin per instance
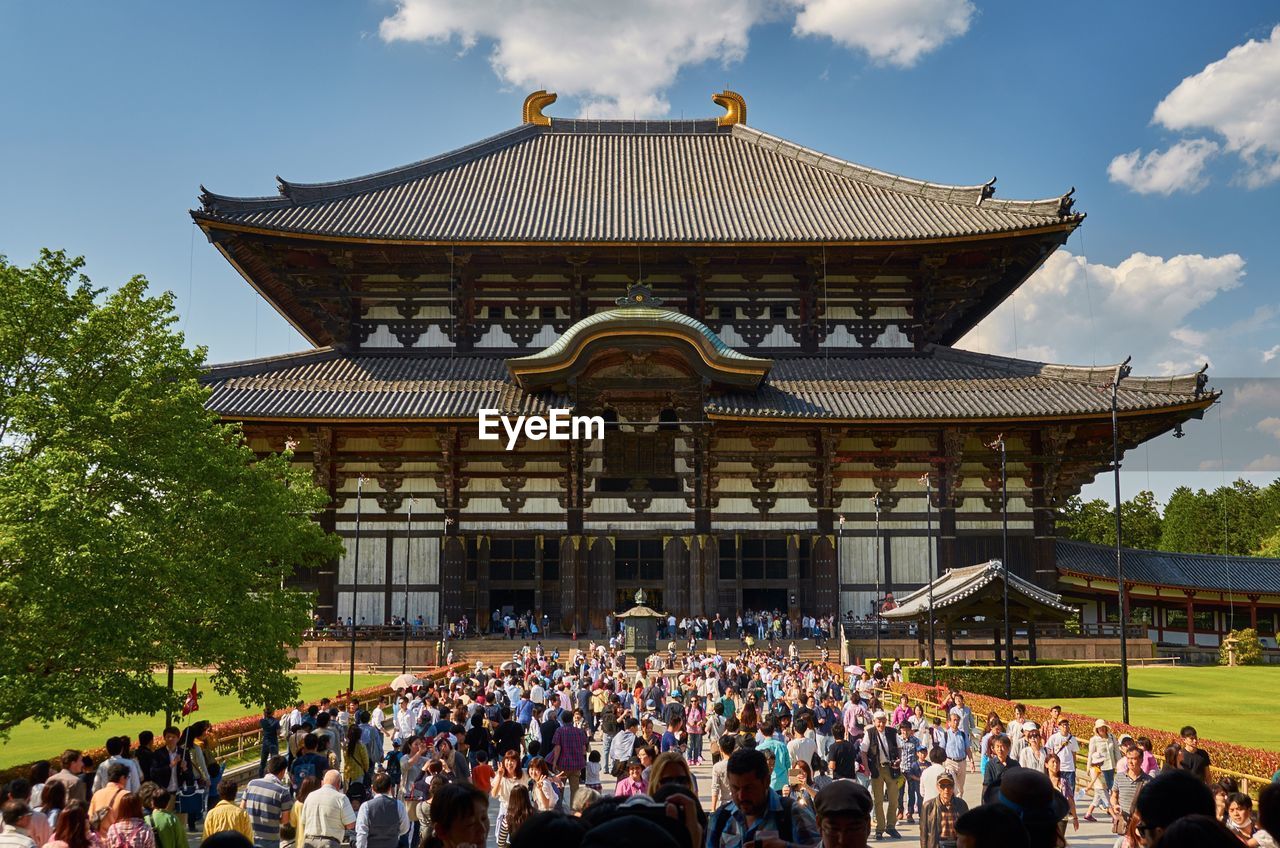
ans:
(843, 796)
(946, 777)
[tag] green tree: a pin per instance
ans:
(1094, 521)
(1248, 648)
(135, 528)
(1237, 519)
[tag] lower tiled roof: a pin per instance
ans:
(1163, 568)
(936, 383)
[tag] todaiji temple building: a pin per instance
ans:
(767, 332)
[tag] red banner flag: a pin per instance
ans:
(193, 700)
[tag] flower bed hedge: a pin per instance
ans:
(1254, 763)
(1077, 680)
(231, 727)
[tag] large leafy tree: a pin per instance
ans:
(1094, 521)
(136, 530)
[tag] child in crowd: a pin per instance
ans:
(593, 772)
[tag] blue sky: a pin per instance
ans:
(114, 114)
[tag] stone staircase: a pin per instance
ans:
(492, 650)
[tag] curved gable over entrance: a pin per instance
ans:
(638, 325)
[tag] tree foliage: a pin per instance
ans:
(1237, 519)
(1094, 521)
(1248, 648)
(135, 528)
(1241, 519)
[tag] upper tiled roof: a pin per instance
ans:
(1162, 568)
(959, 584)
(937, 383)
(635, 181)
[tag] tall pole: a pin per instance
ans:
(875, 605)
(168, 716)
(355, 589)
(1122, 370)
(408, 560)
(839, 571)
(1004, 564)
(928, 505)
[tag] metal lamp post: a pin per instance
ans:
(999, 445)
(928, 505)
(839, 572)
(355, 590)
(1122, 370)
(875, 604)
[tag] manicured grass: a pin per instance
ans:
(31, 741)
(1227, 704)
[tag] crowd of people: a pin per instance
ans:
(585, 750)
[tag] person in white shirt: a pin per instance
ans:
(294, 718)
(1065, 746)
(1032, 754)
(802, 746)
(115, 747)
(379, 718)
(929, 777)
(1015, 729)
(327, 814)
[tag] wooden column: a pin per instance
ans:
(1031, 642)
(1253, 611)
(950, 639)
(322, 450)
(675, 575)
(601, 581)
(793, 577)
(573, 550)
(453, 575)
(1191, 619)
(999, 657)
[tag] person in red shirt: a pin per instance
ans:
(482, 772)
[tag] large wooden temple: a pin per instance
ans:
(767, 331)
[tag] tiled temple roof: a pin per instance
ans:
(936, 383)
(582, 181)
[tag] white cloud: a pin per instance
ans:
(1270, 462)
(895, 32)
(1268, 355)
(619, 59)
(1236, 97)
(1269, 425)
(1143, 306)
(1180, 168)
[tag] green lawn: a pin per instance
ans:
(1227, 704)
(30, 741)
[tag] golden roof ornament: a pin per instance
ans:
(534, 104)
(735, 108)
(639, 294)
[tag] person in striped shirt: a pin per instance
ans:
(267, 801)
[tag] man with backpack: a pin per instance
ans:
(756, 814)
